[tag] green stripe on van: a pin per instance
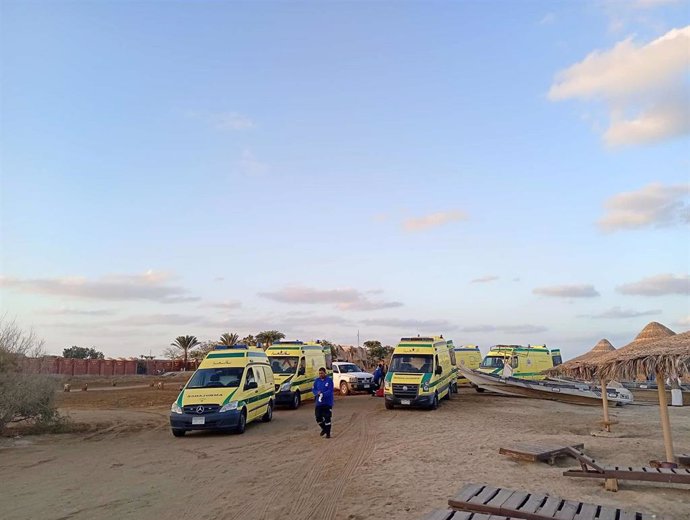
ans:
(227, 355)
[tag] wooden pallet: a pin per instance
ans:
(538, 452)
(507, 503)
(683, 458)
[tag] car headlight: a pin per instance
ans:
(387, 385)
(232, 405)
(425, 386)
(176, 408)
(285, 387)
(353, 379)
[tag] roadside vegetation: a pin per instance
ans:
(24, 397)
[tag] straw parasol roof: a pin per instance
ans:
(587, 368)
(669, 355)
(572, 366)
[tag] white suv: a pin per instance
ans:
(348, 377)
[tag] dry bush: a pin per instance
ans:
(27, 397)
(23, 396)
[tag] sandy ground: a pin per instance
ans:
(386, 464)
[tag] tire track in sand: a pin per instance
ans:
(306, 472)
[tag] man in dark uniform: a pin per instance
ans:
(323, 397)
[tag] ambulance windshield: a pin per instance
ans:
(284, 364)
(216, 377)
(411, 363)
(492, 362)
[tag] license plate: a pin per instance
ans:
(198, 420)
(404, 401)
(366, 386)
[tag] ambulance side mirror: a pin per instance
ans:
(301, 371)
(251, 385)
(439, 370)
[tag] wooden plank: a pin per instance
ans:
(461, 515)
(646, 476)
(467, 492)
(608, 513)
(500, 498)
(533, 503)
(445, 514)
(627, 515)
(587, 512)
(515, 501)
(485, 496)
(567, 510)
(548, 510)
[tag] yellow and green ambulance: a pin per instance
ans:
(232, 387)
(467, 356)
(295, 366)
(420, 373)
(517, 361)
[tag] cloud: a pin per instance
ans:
(485, 279)
(567, 291)
(343, 299)
(659, 285)
(152, 285)
(433, 220)
(147, 320)
(643, 86)
(511, 329)
(398, 323)
(654, 205)
(67, 311)
(683, 322)
(616, 313)
(250, 165)
(232, 121)
(223, 305)
(547, 19)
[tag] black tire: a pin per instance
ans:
(269, 412)
(434, 403)
(480, 390)
(389, 406)
(296, 400)
(344, 388)
(450, 391)
(178, 433)
(242, 426)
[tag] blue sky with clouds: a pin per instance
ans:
(493, 171)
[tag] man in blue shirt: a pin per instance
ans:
(323, 397)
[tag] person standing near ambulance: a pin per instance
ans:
(323, 398)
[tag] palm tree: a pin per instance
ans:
(185, 344)
(228, 339)
(250, 341)
(268, 337)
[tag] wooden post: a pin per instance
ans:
(605, 404)
(663, 411)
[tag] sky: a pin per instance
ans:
(496, 172)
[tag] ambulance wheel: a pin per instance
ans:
(344, 388)
(178, 433)
(389, 406)
(296, 400)
(434, 403)
(480, 390)
(269, 412)
(450, 391)
(242, 425)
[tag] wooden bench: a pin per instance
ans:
(612, 474)
(450, 514)
(510, 504)
(537, 452)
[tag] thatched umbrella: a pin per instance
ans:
(574, 368)
(669, 356)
